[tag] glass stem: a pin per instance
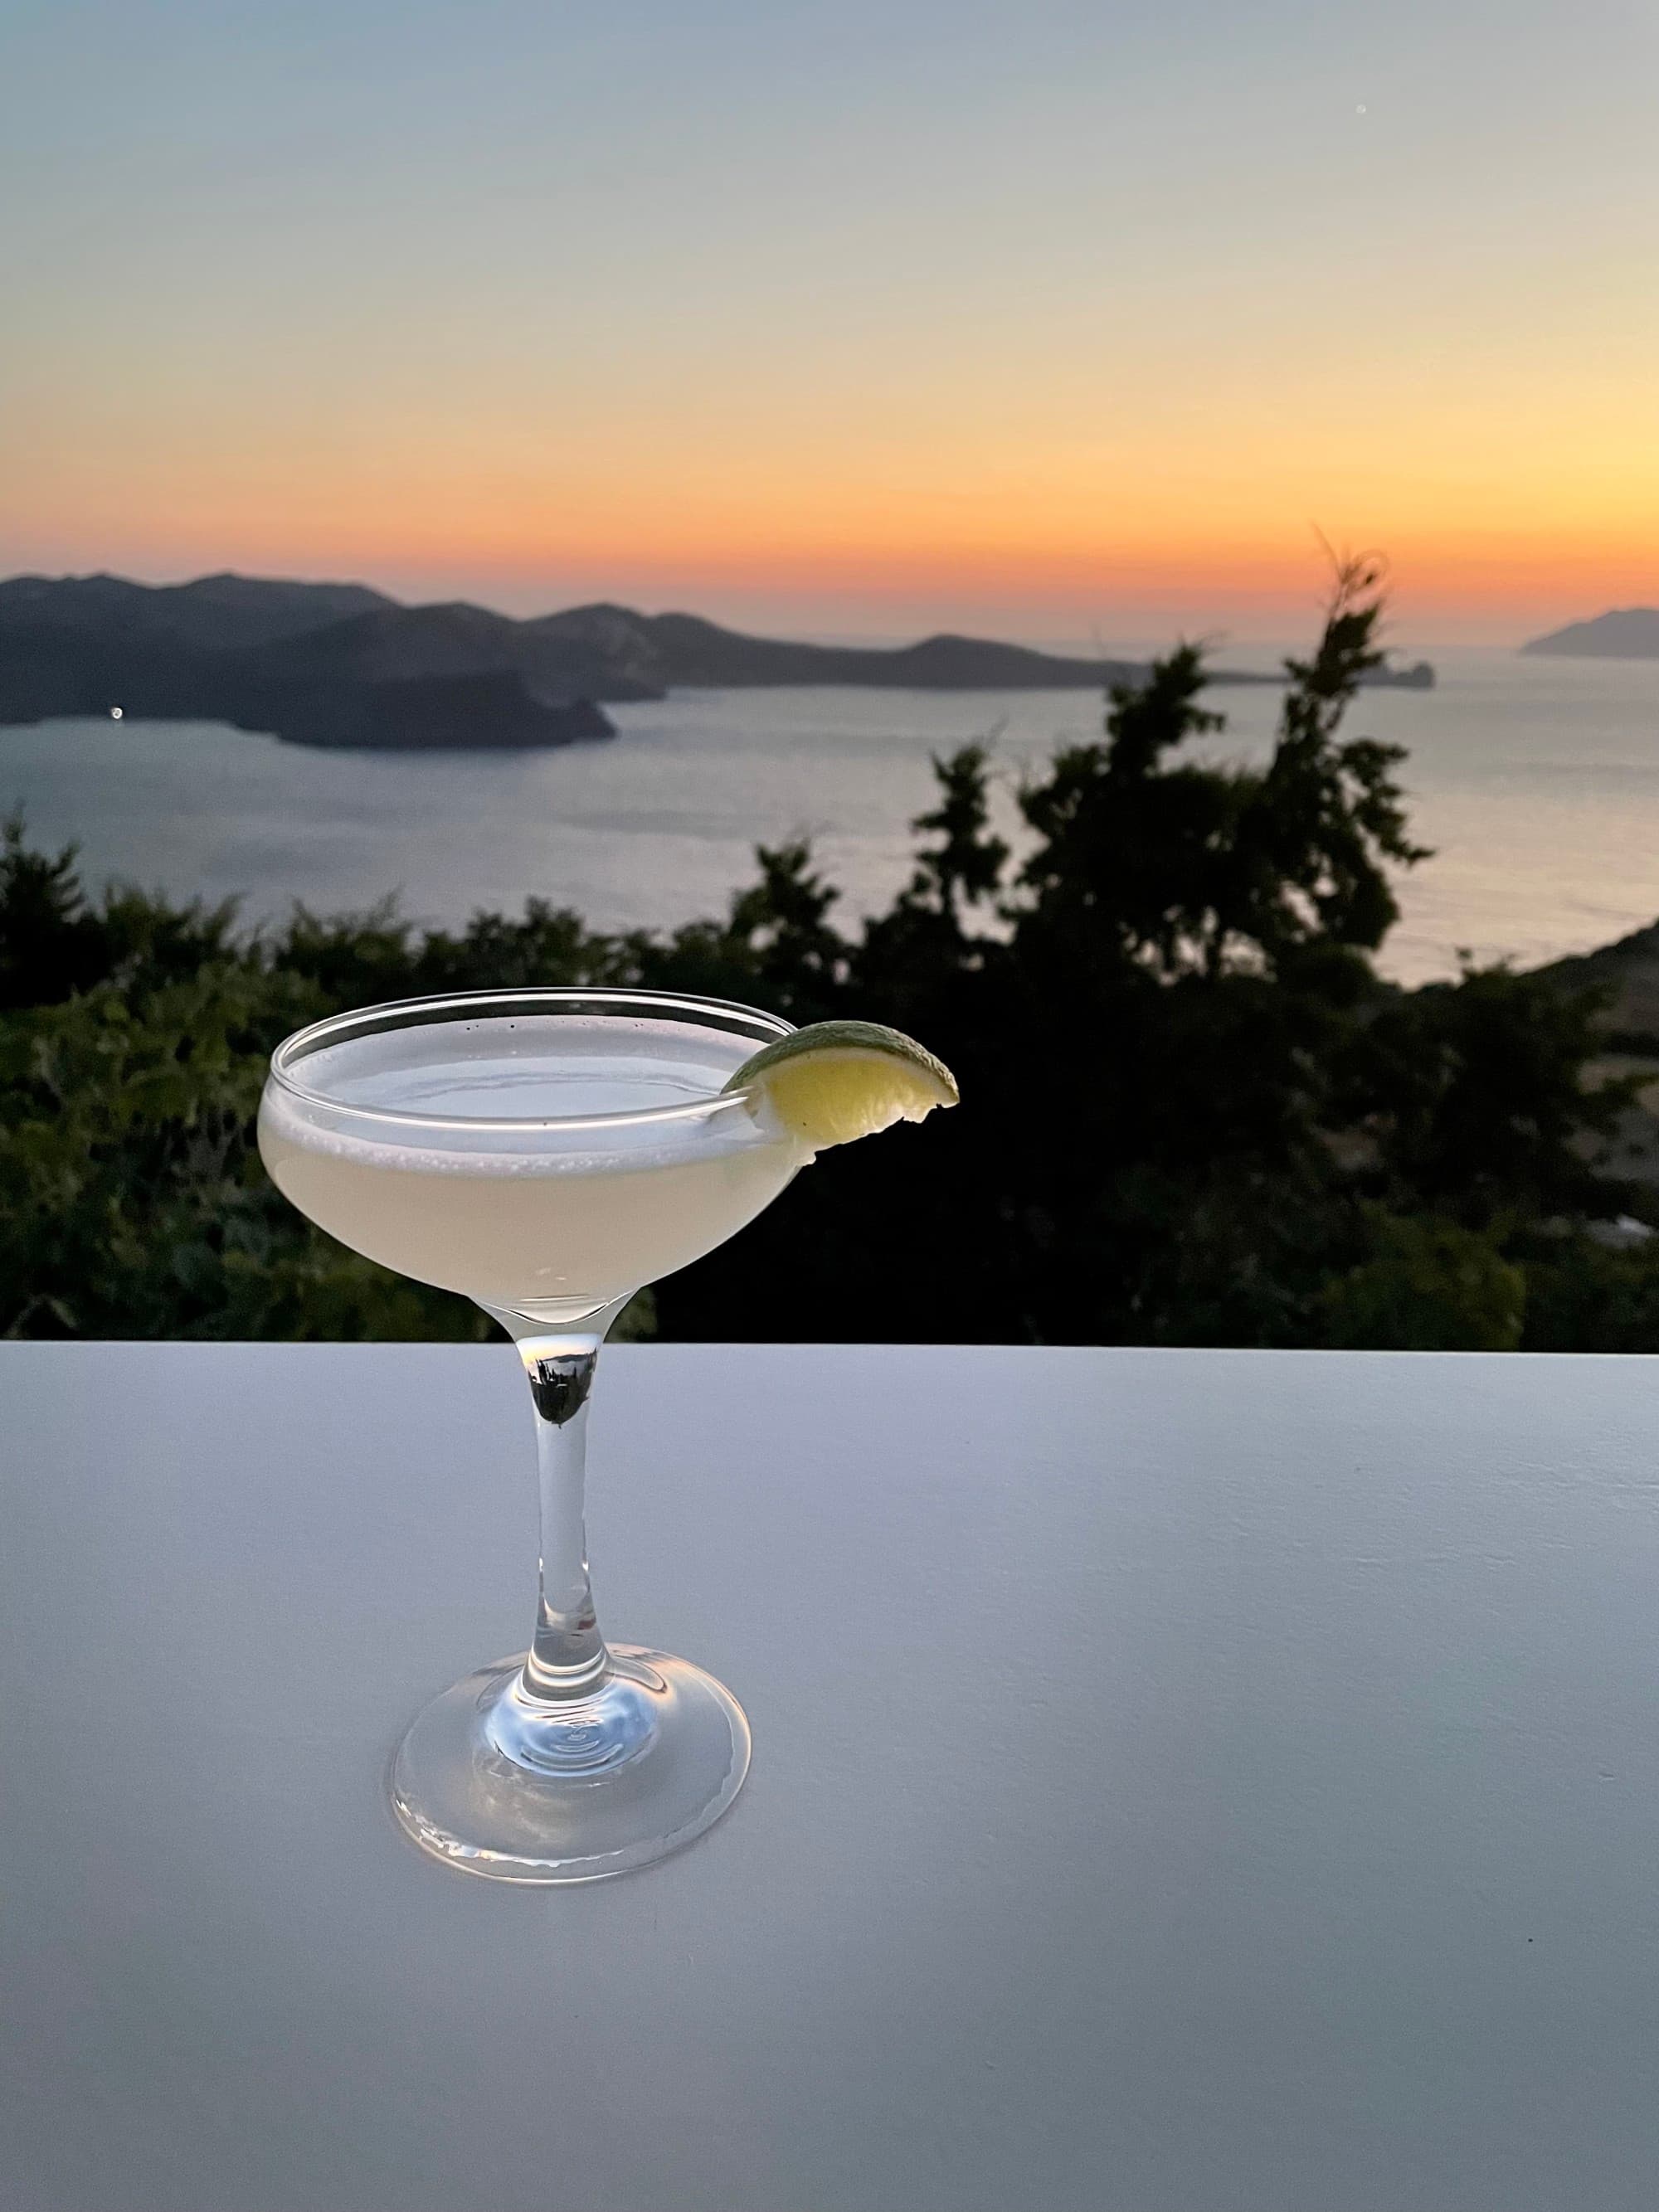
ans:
(568, 1658)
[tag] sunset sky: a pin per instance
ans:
(1061, 320)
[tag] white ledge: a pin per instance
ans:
(1182, 1781)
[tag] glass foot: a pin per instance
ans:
(507, 1786)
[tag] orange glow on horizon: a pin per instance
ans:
(1037, 321)
(1211, 521)
(1487, 582)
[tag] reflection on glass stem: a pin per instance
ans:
(567, 1656)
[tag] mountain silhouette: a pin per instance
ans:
(341, 665)
(212, 613)
(316, 664)
(1622, 633)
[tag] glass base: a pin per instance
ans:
(507, 1786)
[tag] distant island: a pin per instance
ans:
(1622, 633)
(341, 664)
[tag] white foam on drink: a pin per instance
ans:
(485, 1072)
(527, 1068)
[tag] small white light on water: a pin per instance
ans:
(1360, 110)
(115, 713)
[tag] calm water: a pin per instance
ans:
(1537, 782)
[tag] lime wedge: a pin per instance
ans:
(835, 1081)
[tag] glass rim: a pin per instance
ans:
(423, 1012)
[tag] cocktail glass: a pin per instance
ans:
(547, 1153)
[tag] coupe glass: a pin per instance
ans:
(547, 1153)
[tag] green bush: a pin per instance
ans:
(1428, 1286)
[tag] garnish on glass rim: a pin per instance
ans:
(836, 1081)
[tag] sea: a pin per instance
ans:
(1535, 781)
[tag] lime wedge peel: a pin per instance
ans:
(836, 1081)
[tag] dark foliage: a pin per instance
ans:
(1192, 1111)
